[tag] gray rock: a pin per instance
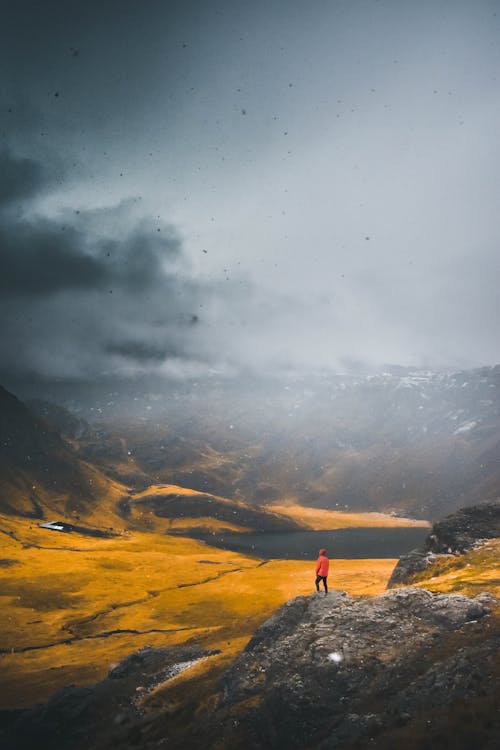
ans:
(350, 670)
(455, 534)
(462, 530)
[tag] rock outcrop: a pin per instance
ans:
(457, 533)
(336, 672)
(460, 531)
(80, 718)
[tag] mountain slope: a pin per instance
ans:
(186, 511)
(39, 473)
(42, 475)
(415, 443)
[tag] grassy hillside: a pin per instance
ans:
(469, 573)
(41, 475)
(186, 509)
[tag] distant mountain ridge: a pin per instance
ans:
(43, 476)
(413, 442)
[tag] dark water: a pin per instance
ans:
(341, 543)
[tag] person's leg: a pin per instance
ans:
(325, 585)
(318, 579)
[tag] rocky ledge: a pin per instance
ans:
(338, 672)
(455, 534)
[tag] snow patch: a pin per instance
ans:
(466, 427)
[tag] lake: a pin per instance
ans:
(340, 544)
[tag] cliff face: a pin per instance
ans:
(463, 529)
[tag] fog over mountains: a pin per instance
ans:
(416, 442)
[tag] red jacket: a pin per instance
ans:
(322, 564)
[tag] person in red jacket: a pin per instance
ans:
(322, 565)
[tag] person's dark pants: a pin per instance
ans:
(321, 578)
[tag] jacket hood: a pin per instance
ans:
(322, 552)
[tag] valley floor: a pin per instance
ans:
(75, 605)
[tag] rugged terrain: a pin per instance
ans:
(415, 666)
(43, 476)
(408, 668)
(39, 471)
(417, 443)
(340, 672)
(139, 637)
(454, 543)
(124, 572)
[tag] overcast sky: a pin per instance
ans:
(193, 187)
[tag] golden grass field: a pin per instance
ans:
(73, 605)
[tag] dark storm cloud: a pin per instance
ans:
(20, 178)
(40, 259)
(136, 262)
(142, 351)
(36, 255)
(361, 120)
(89, 291)
(42, 256)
